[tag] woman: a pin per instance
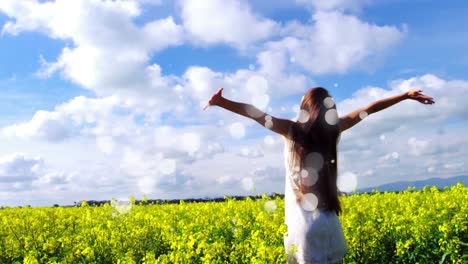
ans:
(312, 206)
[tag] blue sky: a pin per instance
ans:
(102, 99)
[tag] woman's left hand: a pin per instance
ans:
(215, 98)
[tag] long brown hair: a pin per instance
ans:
(315, 136)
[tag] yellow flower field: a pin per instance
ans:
(427, 226)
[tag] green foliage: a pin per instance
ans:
(427, 226)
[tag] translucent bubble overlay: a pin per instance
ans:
(261, 100)
(314, 160)
(146, 184)
(303, 116)
(363, 114)
(247, 184)
(269, 124)
(167, 166)
(258, 86)
(237, 130)
(122, 206)
(309, 176)
(309, 202)
(269, 140)
(191, 142)
(347, 181)
(331, 117)
(253, 111)
(395, 155)
(328, 102)
(251, 67)
(270, 206)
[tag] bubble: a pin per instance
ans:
(251, 67)
(309, 202)
(270, 206)
(363, 114)
(430, 169)
(105, 144)
(347, 181)
(335, 84)
(309, 176)
(247, 183)
(269, 140)
(221, 122)
(426, 101)
(253, 111)
(382, 137)
(283, 109)
(331, 117)
(237, 130)
(122, 206)
(292, 59)
(190, 142)
(167, 166)
(303, 116)
(146, 184)
(269, 124)
(257, 85)
(261, 100)
(328, 102)
(268, 118)
(395, 155)
(332, 161)
(245, 151)
(314, 160)
(295, 108)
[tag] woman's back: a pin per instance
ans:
(315, 233)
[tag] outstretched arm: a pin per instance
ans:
(354, 117)
(278, 125)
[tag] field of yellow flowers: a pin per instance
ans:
(427, 226)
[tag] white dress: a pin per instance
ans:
(316, 235)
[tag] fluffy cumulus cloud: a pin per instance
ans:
(67, 120)
(20, 172)
(230, 22)
(109, 54)
(334, 42)
(142, 132)
(330, 5)
(405, 138)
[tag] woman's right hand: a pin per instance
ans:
(215, 98)
(418, 96)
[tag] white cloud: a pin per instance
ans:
(424, 137)
(335, 42)
(331, 5)
(152, 126)
(20, 172)
(65, 121)
(109, 54)
(230, 22)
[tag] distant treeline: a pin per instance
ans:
(225, 198)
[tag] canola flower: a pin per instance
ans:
(427, 226)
